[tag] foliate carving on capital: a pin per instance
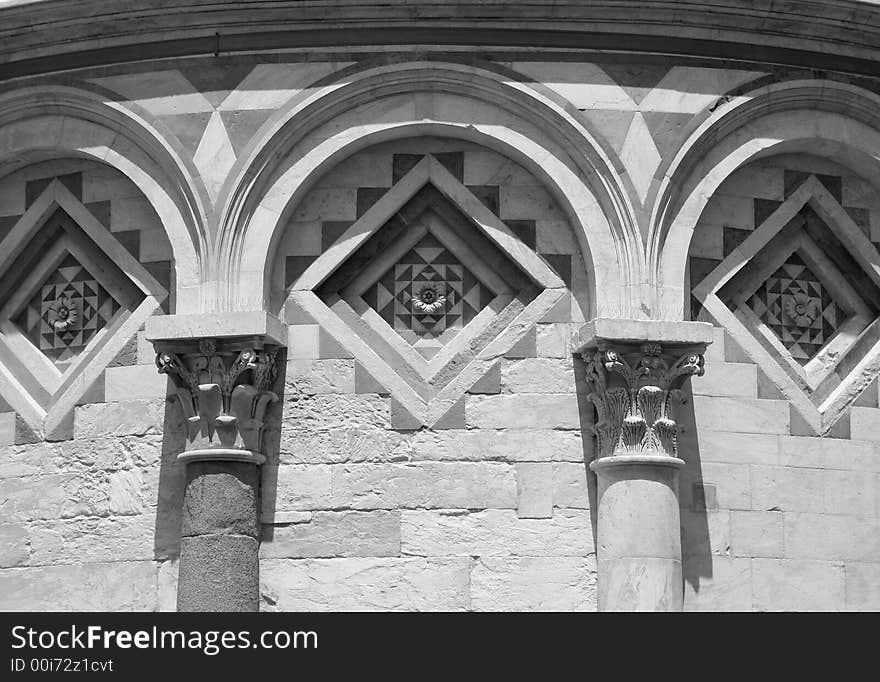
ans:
(224, 391)
(637, 393)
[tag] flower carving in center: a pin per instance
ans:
(63, 315)
(429, 298)
(801, 309)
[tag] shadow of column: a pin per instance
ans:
(172, 479)
(272, 450)
(695, 499)
(587, 413)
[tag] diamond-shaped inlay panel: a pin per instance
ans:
(795, 305)
(427, 289)
(428, 295)
(800, 295)
(67, 311)
(71, 296)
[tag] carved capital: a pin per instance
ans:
(223, 388)
(636, 391)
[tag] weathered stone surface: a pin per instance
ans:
(523, 411)
(221, 498)
(539, 445)
(720, 584)
(787, 489)
(124, 538)
(640, 584)
(797, 585)
(756, 534)
(495, 533)
(362, 584)
(705, 533)
(467, 485)
(553, 340)
(218, 573)
(131, 417)
(35, 497)
(534, 490)
(734, 448)
(295, 487)
(534, 584)
(126, 492)
(116, 586)
(135, 382)
(326, 412)
(336, 534)
(312, 377)
(356, 444)
(166, 585)
(731, 481)
(862, 586)
(832, 537)
(850, 492)
(538, 375)
(741, 415)
(14, 545)
(570, 485)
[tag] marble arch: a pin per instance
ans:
(428, 99)
(833, 119)
(57, 122)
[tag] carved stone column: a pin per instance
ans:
(636, 387)
(223, 387)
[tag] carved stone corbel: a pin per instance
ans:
(637, 394)
(223, 388)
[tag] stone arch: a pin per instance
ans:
(57, 122)
(380, 104)
(831, 119)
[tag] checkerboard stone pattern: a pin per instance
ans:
(67, 311)
(799, 310)
(428, 295)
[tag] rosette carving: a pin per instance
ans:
(224, 391)
(637, 394)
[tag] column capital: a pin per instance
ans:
(635, 370)
(224, 388)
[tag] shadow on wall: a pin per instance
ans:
(166, 543)
(587, 413)
(695, 500)
(272, 450)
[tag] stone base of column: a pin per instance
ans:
(639, 548)
(219, 549)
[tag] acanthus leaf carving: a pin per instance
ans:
(224, 391)
(637, 395)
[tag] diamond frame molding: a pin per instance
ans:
(41, 394)
(799, 382)
(423, 401)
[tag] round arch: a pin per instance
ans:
(304, 141)
(825, 118)
(59, 122)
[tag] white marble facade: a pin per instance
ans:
(431, 239)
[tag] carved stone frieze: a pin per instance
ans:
(224, 390)
(637, 392)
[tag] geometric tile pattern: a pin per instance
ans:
(427, 289)
(67, 311)
(800, 296)
(428, 295)
(797, 308)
